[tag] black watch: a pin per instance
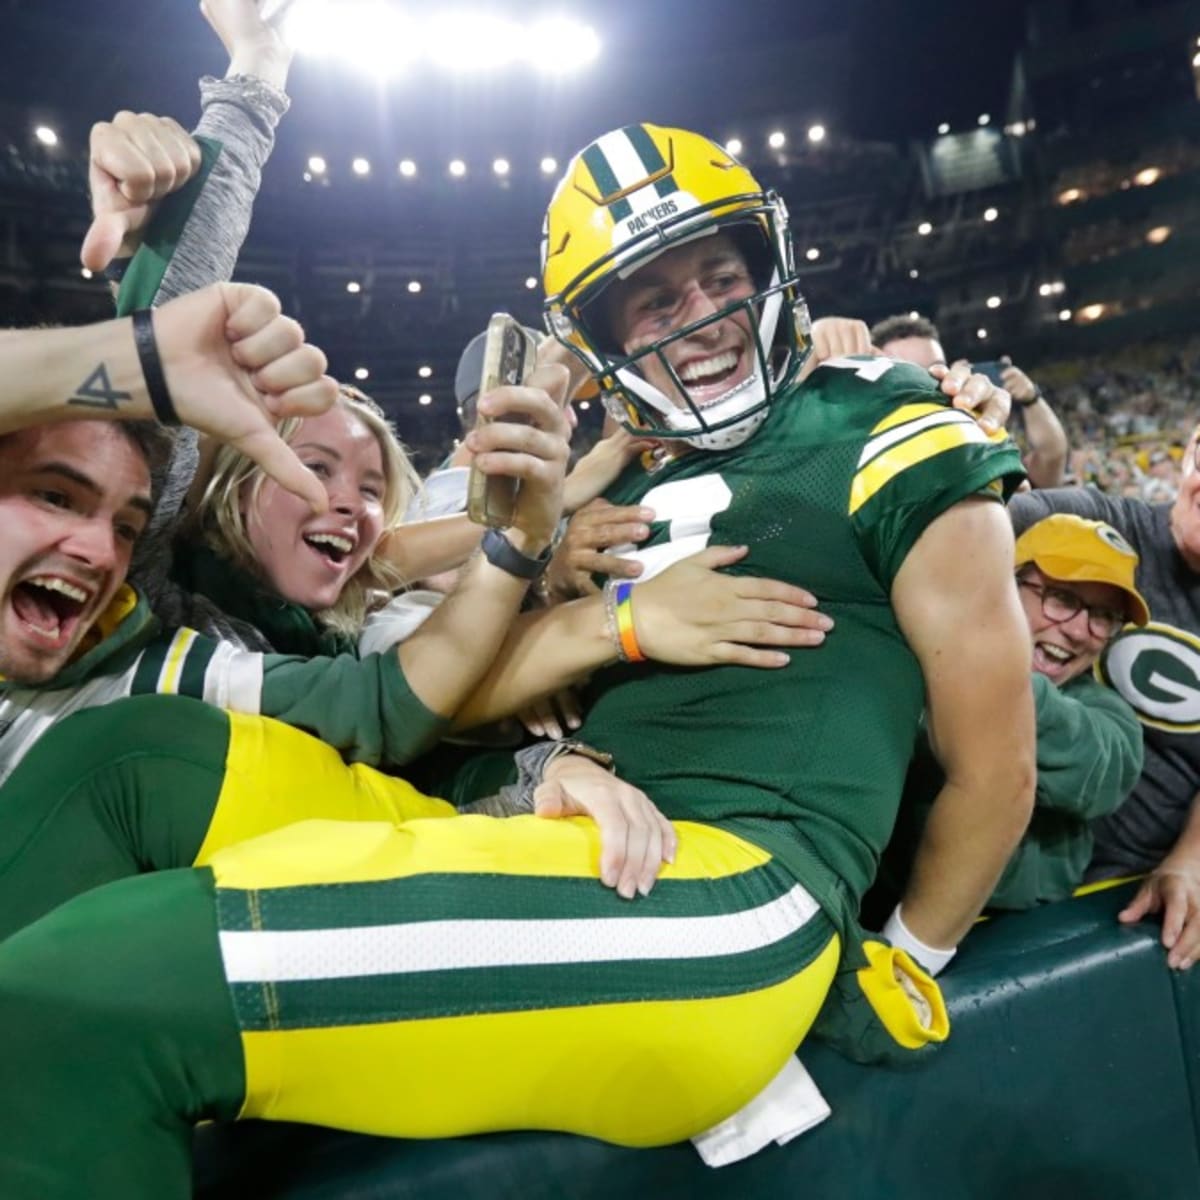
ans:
(500, 552)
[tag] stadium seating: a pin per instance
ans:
(1071, 1070)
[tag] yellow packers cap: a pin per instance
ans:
(1073, 549)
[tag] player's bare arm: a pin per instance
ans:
(958, 607)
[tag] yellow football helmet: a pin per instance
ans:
(628, 197)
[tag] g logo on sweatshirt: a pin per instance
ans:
(1157, 670)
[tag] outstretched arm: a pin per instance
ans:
(689, 615)
(955, 600)
(1046, 459)
(232, 363)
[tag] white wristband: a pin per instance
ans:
(904, 939)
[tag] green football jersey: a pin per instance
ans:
(807, 761)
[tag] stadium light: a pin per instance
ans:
(777, 140)
(1196, 60)
(458, 168)
(483, 42)
(1158, 235)
(585, 405)
(46, 135)
(913, 273)
(812, 254)
(408, 168)
(375, 37)
(816, 133)
(925, 229)
(361, 373)
(86, 273)
(425, 398)
(994, 302)
(354, 287)
(500, 166)
(1070, 195)
(1092, 312)
(981, 333)
(531, 282)
(734, 146)
(985, 119)
(361, 166)
(424, 372)
(371, 35)
(317, 165)
(414, 286)
(990, 214)
(944, 128)
(1064, 314)
(913, 314)
(549, 165)
(1147, 176)
(558, 45)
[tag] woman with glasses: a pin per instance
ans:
(1156, 669)
(1075, 581)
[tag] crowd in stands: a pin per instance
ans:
(1128, 415)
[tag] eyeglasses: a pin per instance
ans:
(1059, 606)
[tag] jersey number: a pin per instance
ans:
(870, 369)
(688, 506)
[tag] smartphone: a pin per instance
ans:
(508, 357)
(994, 371)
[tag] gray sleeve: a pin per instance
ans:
(1027, 508)
(240, 113)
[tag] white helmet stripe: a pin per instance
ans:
(623, 160)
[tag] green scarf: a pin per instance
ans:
(290, 628)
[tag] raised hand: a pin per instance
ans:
(134, 161)
(235, 365)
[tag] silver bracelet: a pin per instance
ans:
(610, 618)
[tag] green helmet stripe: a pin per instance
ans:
(651, 157)
(606, 180)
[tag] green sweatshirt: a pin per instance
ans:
(364, 707)
(1089, 756)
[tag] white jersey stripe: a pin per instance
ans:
(950, 416)
(292, 955)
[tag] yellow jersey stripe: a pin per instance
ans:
(168, 680)
(899, 433)
(926, 444)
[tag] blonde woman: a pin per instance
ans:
(298, 582)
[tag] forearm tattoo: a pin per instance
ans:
(97, 391)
